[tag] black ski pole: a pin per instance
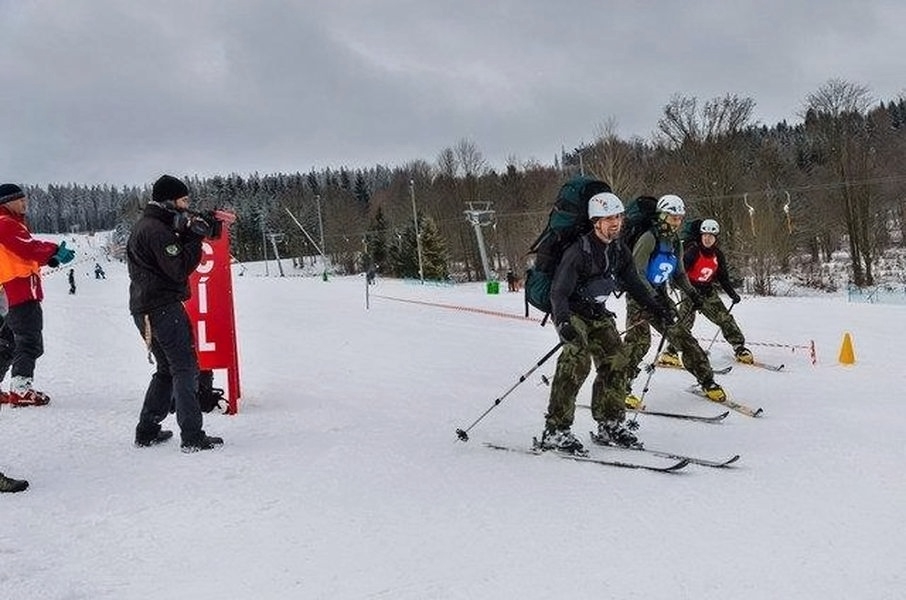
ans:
(463, 434)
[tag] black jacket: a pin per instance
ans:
(589, 271)
(160, 261)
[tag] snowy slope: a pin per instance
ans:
(342, 476)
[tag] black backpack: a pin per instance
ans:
(568, 220)
(691, 231)
(209, 397)
(641, 216)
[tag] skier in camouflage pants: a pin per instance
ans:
(706, 266)
(589, 271)
(656, 255)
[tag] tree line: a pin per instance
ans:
(787, 196)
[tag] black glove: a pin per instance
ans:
(695, 299)
(664, 312)
(568, 334)
(734, 297)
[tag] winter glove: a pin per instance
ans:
(664, 312)
(62, 256)
(695, 299)
(568, 334)
(734, 297)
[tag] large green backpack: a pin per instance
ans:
(567, 221)
(641, 216)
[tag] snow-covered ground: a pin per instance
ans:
(342, 476)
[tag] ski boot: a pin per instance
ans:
(633, 402)
(561, 440)
(617, 433)
(744, 355)
(714, 392)
(669, 358)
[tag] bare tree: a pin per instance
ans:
(835, 119)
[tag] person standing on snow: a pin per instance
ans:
(706, 265)
(591, 269)
(162, 252)
(72, 288)
(7, 484)
(21, 259)
(656, 253)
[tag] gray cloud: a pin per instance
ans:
(103, 91)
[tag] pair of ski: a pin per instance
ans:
(672, 415)
(724, 370)
(678, 461)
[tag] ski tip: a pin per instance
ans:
(732, 460)
(680, 464)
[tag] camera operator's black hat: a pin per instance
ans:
(168, 188)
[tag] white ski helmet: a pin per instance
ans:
(604, 204)
(671, 204)
(709, 226)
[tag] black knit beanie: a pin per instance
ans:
(10, 192)
(168, 189)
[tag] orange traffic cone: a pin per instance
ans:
(847, 355)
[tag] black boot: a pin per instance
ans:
(205, 442)
(8, 484)
(144, 439)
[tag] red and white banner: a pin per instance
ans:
(211, 311)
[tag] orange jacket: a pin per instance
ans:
(21, 257)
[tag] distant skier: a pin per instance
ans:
(72, 288)
(99, 271)
(706, 265)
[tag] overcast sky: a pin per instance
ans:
(112, 91)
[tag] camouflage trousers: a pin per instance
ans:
(600, 344)
(714, 310)
(638, 339)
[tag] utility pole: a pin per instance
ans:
(418, 235)
(264, 241)
(321, 229)
(481, 217)
(277, 237)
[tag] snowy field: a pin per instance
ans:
(342, 476)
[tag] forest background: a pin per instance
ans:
(787, 196)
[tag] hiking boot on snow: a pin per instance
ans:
(205, 442)
(561, 440)
(714, 392)
(633, 402)
(669, 359)
(744, 355)
(10, 485)
(617, 433)
(146, 439)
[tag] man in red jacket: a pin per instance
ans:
(21, 259)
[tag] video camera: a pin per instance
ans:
(208, 224)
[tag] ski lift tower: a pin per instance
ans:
(480, 215)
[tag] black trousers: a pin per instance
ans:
(25, 323)
(175, 382)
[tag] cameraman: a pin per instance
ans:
(163, 250)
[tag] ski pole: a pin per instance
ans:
(708, 349)
(650, 368)
(463, 434)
